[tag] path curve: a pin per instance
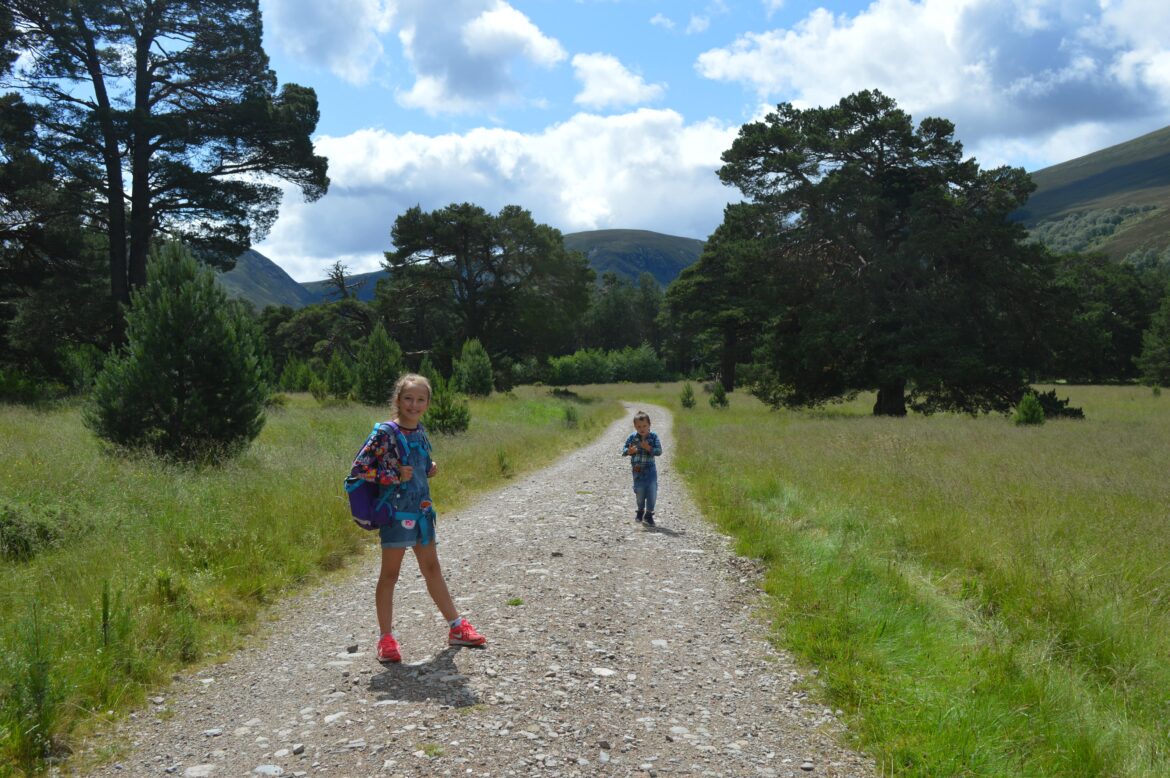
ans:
(634, 652)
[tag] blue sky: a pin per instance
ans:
(597, 114)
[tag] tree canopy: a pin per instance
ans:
(168, 112)
(509, 281)
(891, 261)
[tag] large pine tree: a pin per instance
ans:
(167, 111)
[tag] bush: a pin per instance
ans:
(379, 365)
(296, 376)
(718, 396)
(448, 412)
(427, 370)
(472, 373)
(687, 398)
(1056, 408)
(188, 384)
(586, 366)
(319, 390)
(26, 531)
(639, 365)
(1029, 411)
(338, 377)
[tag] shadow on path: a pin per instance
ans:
(437, 680)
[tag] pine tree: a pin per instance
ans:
(379, 365)
(687, 398)
(188, 384)
(1029, 411)
(473, 371)
(448, 412)
(718, 396)
(1154, 361)
(338, 377)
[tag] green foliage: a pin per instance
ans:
(460, 273)
(718, 399)
(594, 366)
(472, 373)
(1029, 411)
(449, 412)
(296, 376)
(1154, 360)
(1086, 230)
(572, 417)
(188, 385)
(621, 313)
(319, 389)
(379, 365)
(338, 377)
(891, 262)
(27, 530)
(31, 712)
(190, 91)
(1057, 408)
(687, 398)
(428, 370)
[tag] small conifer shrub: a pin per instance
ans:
(378, 367)
(718, 396)
(1029, 411)
(687, 398)
(473, 370)
(189, 383)
(448, 412)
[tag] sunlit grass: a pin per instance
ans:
(188, 556)
(982, 598)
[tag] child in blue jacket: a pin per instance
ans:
(641, 447)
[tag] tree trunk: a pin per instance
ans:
(111, 158)
(141, 217)
(727, 359)
(891, 399)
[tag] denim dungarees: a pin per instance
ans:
(414, 515)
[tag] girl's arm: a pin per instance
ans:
(626, 446)
(377, 462)
(657, 445)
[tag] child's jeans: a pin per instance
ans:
(646, 488)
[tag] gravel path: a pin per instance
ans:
(613, 650)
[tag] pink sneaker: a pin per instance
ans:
(465, 635)
(388, 650)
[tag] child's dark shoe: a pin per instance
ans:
(649, 519)
(638, 516)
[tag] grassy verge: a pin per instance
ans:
(982, 599)
(146, 567)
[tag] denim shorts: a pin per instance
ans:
(408, 533)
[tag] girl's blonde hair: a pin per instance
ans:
(402, 383)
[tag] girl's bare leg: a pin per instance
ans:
(428, 565)
(384, 591)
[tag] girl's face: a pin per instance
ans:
(413, 400)
(643, 427)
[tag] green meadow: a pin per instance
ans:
(155, 567)
(980, 598)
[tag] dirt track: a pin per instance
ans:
(633, 652)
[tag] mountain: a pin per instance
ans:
(258, 279)
(630, 253)
(1116, 200)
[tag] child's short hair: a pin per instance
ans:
(401, 383)
(641, 416)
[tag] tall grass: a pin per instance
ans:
(981, 598)
(161, 566)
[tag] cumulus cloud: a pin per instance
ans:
(647, 169)
(607, 82)
(462, 52)
(997, 68)
(772, 6)
(665, 22)
(698, 24)
(342, 36)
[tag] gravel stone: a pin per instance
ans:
(638, 649)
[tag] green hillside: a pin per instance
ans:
(261, 281)
(1116, 200)
(630, 253)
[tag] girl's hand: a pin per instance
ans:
(633, 449)
(646, 444)
(434, 469)
(405, 473)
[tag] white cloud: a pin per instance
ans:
(698, 24)
(607, 82)
(994, 67)
(647, 169)
(665, 22)
(462, 52)
(342, 36)
(772, 6)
